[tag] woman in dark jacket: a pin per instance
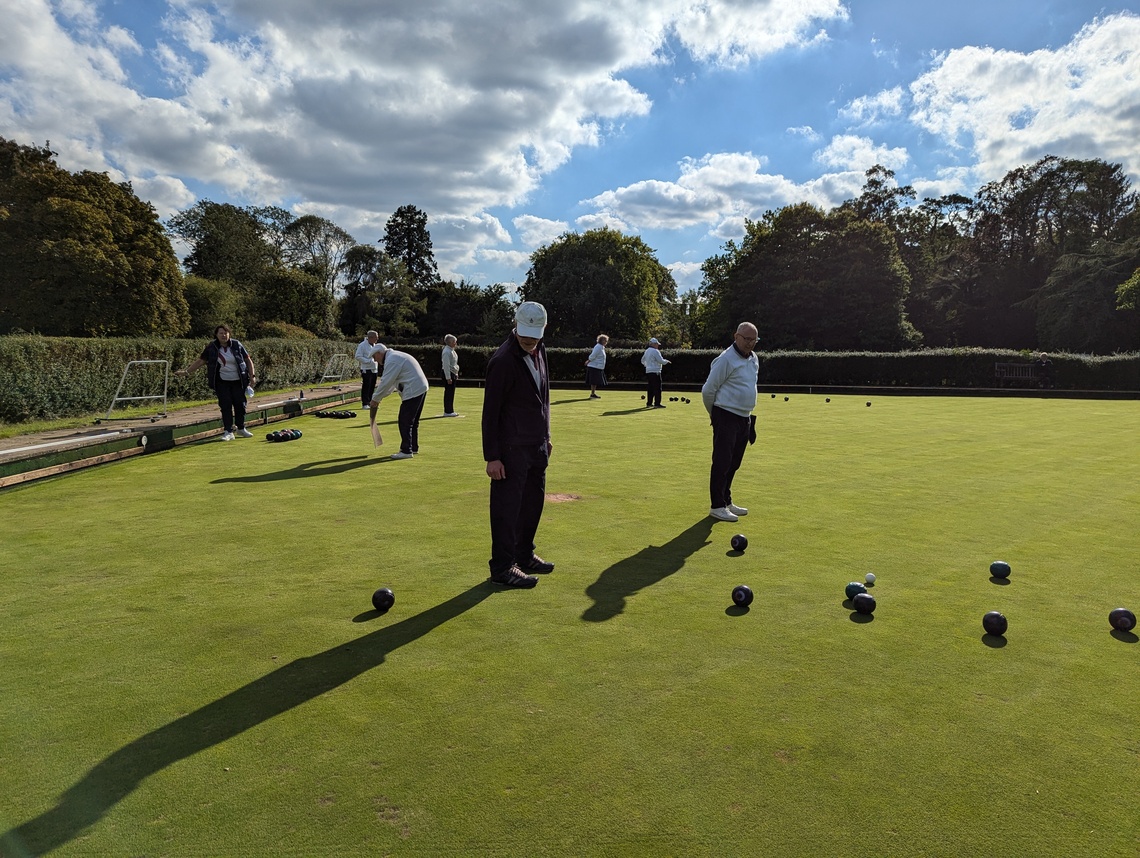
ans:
(229, 371)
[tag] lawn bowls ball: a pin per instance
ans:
(742, 596)
(1000, 569)
(870, 578)
(1122, 619)
(785, 399)
(828, 399)
(864, 603)
(994, 622)
(383, 599)
(739, 542)
(854, 589)
(868, 404)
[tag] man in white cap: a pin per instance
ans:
(729, 395)
(516, 447)
(400, 371)
(653, 363)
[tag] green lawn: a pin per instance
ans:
(191, 665)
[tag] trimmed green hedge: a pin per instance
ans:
(49, 377)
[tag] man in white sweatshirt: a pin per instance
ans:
(729, 395)
(400, 371)
(653, 363)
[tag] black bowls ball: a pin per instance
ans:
(1122, 619)
(864, 603)
(995, 623)
(742, 596)
(1000, 569)
(383, 599)
(739, 542)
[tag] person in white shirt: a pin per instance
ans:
(653, 363)
(368, 367)
(729, 395)
(596, 366)
(400, 371)
(450, 375)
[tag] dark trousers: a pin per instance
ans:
(367, 386)
(449, 394)
(654, 381)
(730, 437)
(409, 423)
(231, 399)
(516, 506)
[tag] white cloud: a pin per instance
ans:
(1008, 109)
(872, 108)
(851, 152)
(534, 232)
(805, 131)
(687, 275)
(358, 109)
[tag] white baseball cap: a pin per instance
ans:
(653, 341)
(530, 319)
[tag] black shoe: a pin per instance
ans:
(514, 577)
(538, 565)
(658, 406)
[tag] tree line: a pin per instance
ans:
(1048, 258)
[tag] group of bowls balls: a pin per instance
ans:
(828, 399)
(995, 623)
(861, 600)
(742, 594)
(284, 435)
(338, 415)
(679, 399)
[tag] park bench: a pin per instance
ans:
(1014, 373)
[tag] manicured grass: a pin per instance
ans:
(192, 667)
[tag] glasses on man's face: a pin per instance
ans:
(745, 339)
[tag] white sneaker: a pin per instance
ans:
(737, 510)
(451, 414)
(723, 513)
(400, 455)
(227, 436)
(243, 433)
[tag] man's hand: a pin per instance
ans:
(495, 470)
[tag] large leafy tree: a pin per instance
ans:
(81, 255)
(317, 246)
(810, 280)
(226, 243)
(599, 281)
(457, 308)
(407, 240)
(378, 295)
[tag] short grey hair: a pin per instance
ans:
(450, 339)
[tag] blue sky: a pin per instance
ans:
(512, 121)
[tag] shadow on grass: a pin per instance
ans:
(994, 641)
(640, 410)
(291, 685)
(1003, 582)
(643, 569)
(307, 469)
(1127, 637)
(736, 610)
(585, 398)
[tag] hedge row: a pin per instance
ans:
(48, 377)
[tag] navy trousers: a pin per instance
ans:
(516, 506)
(730, 437)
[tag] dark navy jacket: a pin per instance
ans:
(515, 411)
(213, 365)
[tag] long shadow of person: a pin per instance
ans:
(291, 685)
(307, 469)
(645, 568)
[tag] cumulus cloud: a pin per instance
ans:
(871, 108)
(851, 152)
(1007, 109)
(534, 232)
(346, 106)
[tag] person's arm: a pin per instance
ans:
(494, 392)
(249, 367)
(199, 362)
(718, 373)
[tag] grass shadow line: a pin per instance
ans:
(304, 679)
(643, 569)
(640, 410)
(307, 469)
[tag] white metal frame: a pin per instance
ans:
(123, 380)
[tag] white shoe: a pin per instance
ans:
(737, 510)
(723, 513)
(227, 436)
(451, 414)
(243, 433)
(400, 455)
